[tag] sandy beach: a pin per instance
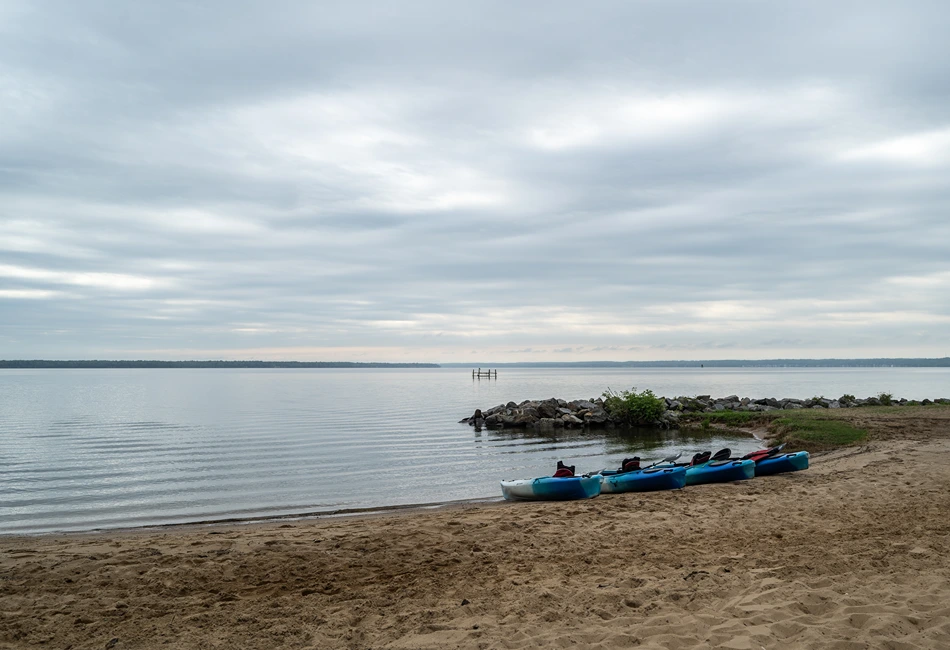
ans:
(852, 553)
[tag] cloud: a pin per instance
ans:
(414, 182)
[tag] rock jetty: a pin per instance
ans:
(558, 413)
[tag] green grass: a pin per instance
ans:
(735, 418)
(807, 431)
(801, 429)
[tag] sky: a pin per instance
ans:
(480, 181)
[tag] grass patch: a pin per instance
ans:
(735, 418)
(809, 429)
(728, 419)
(805, 431)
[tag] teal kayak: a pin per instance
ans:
(720, 471)
(643, 480)
(791, 462)
(549, 488)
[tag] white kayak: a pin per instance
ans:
(549, 488)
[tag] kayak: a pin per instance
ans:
(644, 480)
(720, 471)
(549, 488)
(791, 462)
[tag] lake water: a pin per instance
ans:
(87, 449)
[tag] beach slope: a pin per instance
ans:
(852, 553)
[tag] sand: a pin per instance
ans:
(852, 553)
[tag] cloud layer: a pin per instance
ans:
(424, 182)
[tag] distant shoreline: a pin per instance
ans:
(943, 362)
(38, 363)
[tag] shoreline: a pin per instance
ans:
(813, 559)
(343, 513)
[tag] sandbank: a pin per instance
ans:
(852, 553)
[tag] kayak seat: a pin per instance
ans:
(564, 471)
(629, 465)
(700, 458)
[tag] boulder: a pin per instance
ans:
(525, 419)
(596, 415)
(548, 409)
(583, 405)
(495, 421)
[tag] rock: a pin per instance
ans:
(495, 421)
(548, 409)
(525, 419)
(571, 420)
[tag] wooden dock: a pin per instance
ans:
(490, 374)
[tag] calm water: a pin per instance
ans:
(85, 449)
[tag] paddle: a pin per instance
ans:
(668, 459)
(776, 450)
(722, 454)
(763, 453)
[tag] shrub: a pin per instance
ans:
(885, 398)
(631, 407)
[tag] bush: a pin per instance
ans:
(885, 398)
(631, 407)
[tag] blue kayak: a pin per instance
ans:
(791, 462)
(549, 488)
(643, 480)
(720, 471)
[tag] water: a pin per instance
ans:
(87, 449)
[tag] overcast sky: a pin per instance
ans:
(485, 181)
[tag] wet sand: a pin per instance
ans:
(852, 553)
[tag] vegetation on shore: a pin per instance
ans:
(632, 408)
(802, 429)
(812, 429)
